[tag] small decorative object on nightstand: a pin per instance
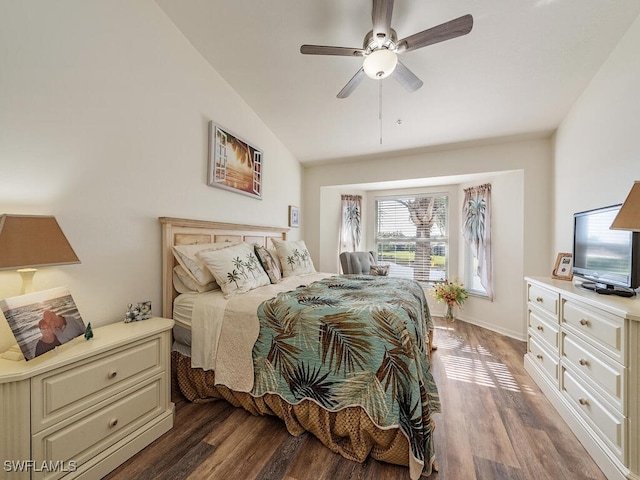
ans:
(88, 333)
(142, 311)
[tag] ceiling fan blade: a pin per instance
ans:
(446, 31)
(352, 84)
(406, 77)
(326, 50)
(381, 16)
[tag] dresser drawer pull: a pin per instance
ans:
(583, 401)
(113, 422)
(584, 322)
(583, 362)
(539, 357)
(112, 374)
(540, 328)
(539, 299)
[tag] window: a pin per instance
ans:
(472, 279)
(412, 235)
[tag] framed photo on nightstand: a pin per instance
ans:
(43, 320)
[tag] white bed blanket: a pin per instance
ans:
(223, 331)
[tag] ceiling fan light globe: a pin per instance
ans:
(380, 63)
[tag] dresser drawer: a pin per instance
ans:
(545, 299)
(541, 325)
(543, 359)
(60, 394)
(603, 330)
(607, 375)
(610, 425)
(87, 437)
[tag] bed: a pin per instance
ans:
(345, 358)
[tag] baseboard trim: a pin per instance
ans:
(507, 333)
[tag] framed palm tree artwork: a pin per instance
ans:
(234, 164)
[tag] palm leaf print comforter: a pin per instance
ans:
(353, 341)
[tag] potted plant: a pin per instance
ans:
(453, 293)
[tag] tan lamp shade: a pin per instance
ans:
(28, 241)
(628, 217)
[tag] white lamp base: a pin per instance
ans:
(27, 279)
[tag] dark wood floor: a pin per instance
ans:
(495, 424)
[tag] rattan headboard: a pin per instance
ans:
(181, 231)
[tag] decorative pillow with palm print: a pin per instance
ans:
(187, 257)
(294, 257)
(270, 265)
(236, 269)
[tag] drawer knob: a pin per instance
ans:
(540, 328)
(113, 422)
(583, 362)
(112, 374)
(539, 357)
(539, 299)
(583, 401)
(584, 322)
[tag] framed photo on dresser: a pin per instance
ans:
(563, 269)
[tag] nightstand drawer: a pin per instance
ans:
(62, 393)
(610, 425)
(543, 359)
(87, 437)
(545, 299)
(606, 374)
(541, 326)
(603, 330)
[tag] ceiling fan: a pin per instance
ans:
(381, 48)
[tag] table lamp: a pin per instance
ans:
(628, 217)
(31, 241)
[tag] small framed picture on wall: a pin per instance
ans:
(563, 268)
(294, 216)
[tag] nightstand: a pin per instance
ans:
(83, 409)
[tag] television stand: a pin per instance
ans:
(615, 291)
(605, 289)
(588, 285)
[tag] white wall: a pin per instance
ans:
(597, 146)
(523, 201)
(104, 108)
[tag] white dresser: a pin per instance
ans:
(584, 353)
(82, 410)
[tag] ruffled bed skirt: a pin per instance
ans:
(348, 432)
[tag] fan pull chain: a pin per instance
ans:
(380, 110)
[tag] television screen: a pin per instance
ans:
(600, 254)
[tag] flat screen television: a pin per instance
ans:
(606, 258)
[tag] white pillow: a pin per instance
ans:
(184, 283)
(186, 255)
(294, 257)
(236, 268)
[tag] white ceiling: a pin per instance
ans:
(518, 72)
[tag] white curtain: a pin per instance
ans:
(350, 232)
(476, 229)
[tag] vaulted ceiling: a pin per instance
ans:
(517, 72)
